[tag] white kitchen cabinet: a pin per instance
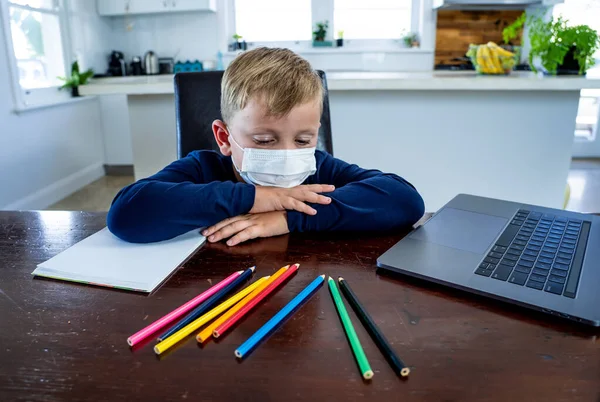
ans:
(111, 7)
(549, 3)
(133, 7)
(191, 5)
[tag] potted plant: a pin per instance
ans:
(561, 49)
(320, 33)
(76, 79)
(237, 45)
(411, 40)
(340, 38)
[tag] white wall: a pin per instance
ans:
(91, 35)
(46, 154)
(183, 36)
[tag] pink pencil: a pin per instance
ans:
(180, 311)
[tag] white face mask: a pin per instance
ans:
(276, 167)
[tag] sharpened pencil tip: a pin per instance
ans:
(253, 269)
(340, 279)
(240, 272)
(322, 276)
(330, 278)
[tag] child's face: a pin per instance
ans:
(252, 128)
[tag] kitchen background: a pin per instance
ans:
(82, 138)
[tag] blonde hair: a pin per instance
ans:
(280, 77)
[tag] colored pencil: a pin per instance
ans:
(208, 304)
(221, 329)
(208, 331)
(212, 314)
(279, 318)
(180, 311)
(382, 343)
(359, 353)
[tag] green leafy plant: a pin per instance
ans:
(77, 78)
(340, 34)
(514, 30)
(321, 31)
(410, 39)
(552, 40)
(237, 37)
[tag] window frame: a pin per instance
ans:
(23, 98)
(324, 10)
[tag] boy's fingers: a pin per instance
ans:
(309, 196)
(246, 234)
(230, 230)
(222, 224)
(296, 205)
(318, 188)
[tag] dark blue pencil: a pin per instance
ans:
(208, 304)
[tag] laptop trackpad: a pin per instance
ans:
(463, 230)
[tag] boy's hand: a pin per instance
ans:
(246, 227)
(269, 199)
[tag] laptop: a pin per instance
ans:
(540, 258)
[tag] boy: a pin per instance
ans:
(269, 179)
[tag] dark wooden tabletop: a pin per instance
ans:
(64, 341)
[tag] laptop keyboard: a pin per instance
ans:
(543, 252)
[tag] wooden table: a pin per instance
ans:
(64, 341)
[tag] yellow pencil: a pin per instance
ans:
(207, 332)
(200, 321)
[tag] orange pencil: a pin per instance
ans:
(208, 331)
(252, 303)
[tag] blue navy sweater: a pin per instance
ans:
(201, 190)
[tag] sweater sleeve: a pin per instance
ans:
(364, 200)
(175, 201)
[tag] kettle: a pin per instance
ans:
(136, 66)
(151, 63)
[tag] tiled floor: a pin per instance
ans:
(94, 197)
(584, 180)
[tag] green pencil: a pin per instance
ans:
(359, 353)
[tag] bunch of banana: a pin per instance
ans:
(491, 58)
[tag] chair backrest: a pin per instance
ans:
(197, 105)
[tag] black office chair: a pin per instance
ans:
(197, 105)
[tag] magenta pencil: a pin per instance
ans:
(180, 311)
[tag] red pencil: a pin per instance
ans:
(252, 303)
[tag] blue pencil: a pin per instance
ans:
(208, 304)
(278, 318)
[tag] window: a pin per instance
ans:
(373, 19)
(35, 32)
(273, 20)
(291, 22)
(579, 12)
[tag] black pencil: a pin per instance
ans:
(384, 346)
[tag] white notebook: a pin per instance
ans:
(105, 260)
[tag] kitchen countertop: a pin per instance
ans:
(350, 81)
